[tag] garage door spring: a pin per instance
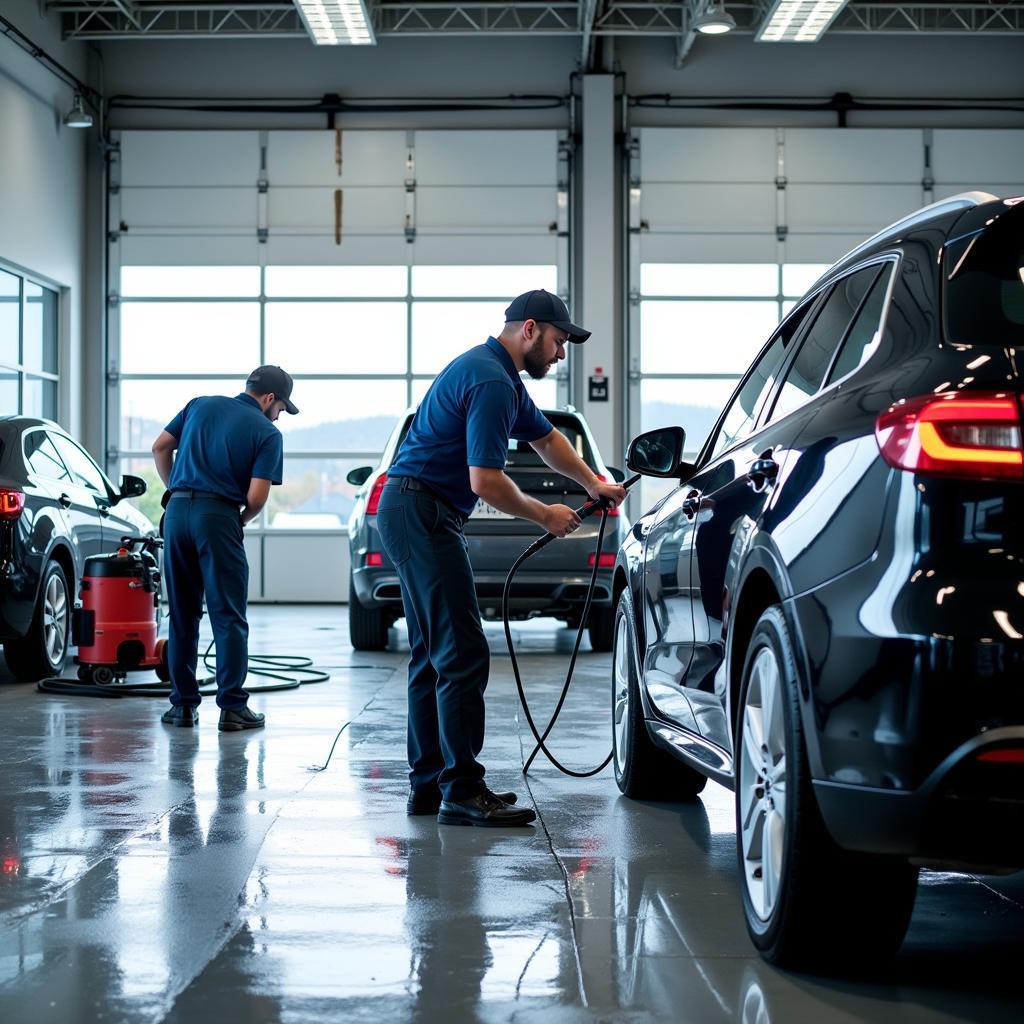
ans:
(588, 509)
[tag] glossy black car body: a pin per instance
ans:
(554, 583)
(58, 508)
(897, 589)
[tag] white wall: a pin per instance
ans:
(43, 183)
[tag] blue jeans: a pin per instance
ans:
(449, 659)
(204, 553)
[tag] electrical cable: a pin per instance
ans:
(588, 509)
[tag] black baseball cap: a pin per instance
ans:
(547, 308)
(266, 379)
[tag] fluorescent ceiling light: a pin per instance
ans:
(337, 22)
(715, 21)
(798, 21)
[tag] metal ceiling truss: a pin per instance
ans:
(178, 19)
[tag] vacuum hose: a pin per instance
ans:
(588, 509)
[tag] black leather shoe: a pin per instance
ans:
(184, 715)
(484, 809)
(426, 800)
(235, 719)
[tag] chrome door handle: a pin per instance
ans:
(64, 501)
(762, 470)
(691, 503)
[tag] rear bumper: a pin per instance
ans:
(17, 600)
(967, 813)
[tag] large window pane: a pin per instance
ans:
(443, 330)
(10, 320)
(147, 406)
(693, 405)
(190, 337)
(798, 277)
(703, 337)
(337, 337)
(346, 415)
(336, 282)
(40, 398)
(9, 401)
(314, 496)
(709, 279)
(39, 347)
(471, 281)
(542, 392)
(190, 282)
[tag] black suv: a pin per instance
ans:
(553, 583)
(56, 509)
(827, 614)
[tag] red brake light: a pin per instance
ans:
(1007, 755)
(12, 503)
(611, 511)
(374, 558)
(606, 561)
(960, 434)
(374, 500)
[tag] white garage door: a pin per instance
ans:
(360, 261)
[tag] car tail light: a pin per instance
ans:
(606, 561)
(374, 500)
(1007, 755)
(962, 434)
(374, 558)
(12, 503)
(603, 479)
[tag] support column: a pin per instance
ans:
(599, 262)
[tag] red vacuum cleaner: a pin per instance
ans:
(116, 627)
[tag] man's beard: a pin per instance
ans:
(533, 361)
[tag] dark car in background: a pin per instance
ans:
(57, 508)
(827, 614)
(552, 583)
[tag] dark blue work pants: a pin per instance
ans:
(204, 553)
(449, 659)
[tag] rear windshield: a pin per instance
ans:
(984, 284)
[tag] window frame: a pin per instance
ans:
(18, 367)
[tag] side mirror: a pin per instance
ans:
(657, 452)
(617, 475)
(357, 477)
(132, 487)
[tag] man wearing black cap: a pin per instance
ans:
(453, 454)
(229, 453)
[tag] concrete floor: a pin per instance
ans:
(156, 874)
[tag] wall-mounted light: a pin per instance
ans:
(715, 21)
(78, 116)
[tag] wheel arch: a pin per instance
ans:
(61, 554)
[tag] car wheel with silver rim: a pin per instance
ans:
(43, 650)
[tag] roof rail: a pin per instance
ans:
(962, 201)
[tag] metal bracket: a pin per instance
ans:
(262, 234)
(781, 231)
(113, 299)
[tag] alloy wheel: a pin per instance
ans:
(762, 783)
(620, 699)
(55, 619)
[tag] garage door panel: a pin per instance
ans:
(204, 208)
(176, 159)
(973, 157)
(485, 209)
(305, 250)
(306, 568)
(197, 249)
(888, 157)
(857, 208)
(448, 250)
(695, 207)
(481, 157)
(310, 158)
(363, 209)
(707, 247)
(708, 154)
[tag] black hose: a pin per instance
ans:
(588, 509)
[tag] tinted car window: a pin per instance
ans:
(807, 371)
(742, 410)
(84, 471)
(863, 331)
(42, 457)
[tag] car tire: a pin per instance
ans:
(367, 627)
(643, 771)
(601, 627)
(807, 902)
(43, 650)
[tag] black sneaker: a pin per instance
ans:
(427, 800)
(184, 715)
(486, 810)
(236, 719)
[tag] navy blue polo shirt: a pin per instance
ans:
(476, 403)
(223, 444)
